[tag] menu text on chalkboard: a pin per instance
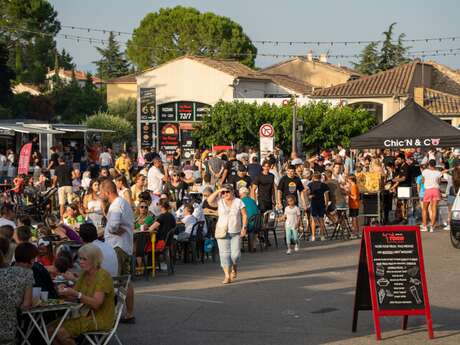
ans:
(391, 276)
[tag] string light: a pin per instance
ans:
(91, 40)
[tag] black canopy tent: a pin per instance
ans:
(412, 126)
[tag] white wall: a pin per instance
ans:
(188, 80)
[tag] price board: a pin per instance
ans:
(391, 276)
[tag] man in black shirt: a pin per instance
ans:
(403, 180)
(290, 184)
(263, 189)
(53, 161)
(63, 179)
(242, 179)
(231, 168)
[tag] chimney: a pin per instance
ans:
(418, 95)
(310, 55)
(323, 57)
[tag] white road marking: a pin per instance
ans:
(190, 299)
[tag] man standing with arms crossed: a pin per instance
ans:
(118, 233)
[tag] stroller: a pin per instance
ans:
(40, 207)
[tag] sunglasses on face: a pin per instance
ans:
(143, 206)
(224, 192)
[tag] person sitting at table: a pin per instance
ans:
(94, 289)
(198, 212)
(189, 221)
(25, 257)
(137, 188)
(176, 189)
(16, 284)
(64, 232)
(143, 218)
(163, 224)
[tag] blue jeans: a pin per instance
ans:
(291, 236)
(229, 250)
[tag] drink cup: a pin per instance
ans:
(44, 296)
(36, 292)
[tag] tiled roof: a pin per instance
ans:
(290, 83)
(441, 103)
(124, 79)
(231, 67)
(79, 75)
(337, 68)
(395, 81)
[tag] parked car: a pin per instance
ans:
(455, 223)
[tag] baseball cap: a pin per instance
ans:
(296, 161)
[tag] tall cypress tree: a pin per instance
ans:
(112, 63)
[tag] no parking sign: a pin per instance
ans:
(266, 134)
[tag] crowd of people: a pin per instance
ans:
(104, 206)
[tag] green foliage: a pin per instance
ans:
(65, 60)
(125, 108)
(30, 54)
(73, 103)
(325, 126)
(390, 55)
(112, 63)
(6, 75)
(178, 31)
(103, 120)
(27, 106)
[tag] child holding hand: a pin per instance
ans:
(292, 222)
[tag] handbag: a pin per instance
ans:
(221, 231)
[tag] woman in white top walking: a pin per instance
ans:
(232, 218)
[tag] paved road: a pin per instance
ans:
(304, 298)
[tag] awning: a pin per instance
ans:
(28, 129)
(79, 128)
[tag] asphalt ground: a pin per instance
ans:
(304, 298)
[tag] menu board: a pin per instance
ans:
(148, 104)
(391, 275)
(168, 112)
(396, 266)
(169, 137)
(183, 111)
(148, 133)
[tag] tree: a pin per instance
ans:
(6, 75)
(123, 130)
(369, 60)
(28, 28)
(113, 63)
(125, 108)
(325, 126)
(65, 60)
(391, 54)
(178, 31)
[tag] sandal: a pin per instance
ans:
(233, 275)
(227, 281)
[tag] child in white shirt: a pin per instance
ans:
(189, 221)
(292, 222)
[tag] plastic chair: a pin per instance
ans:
(168, 253)
(104, 337)
(256, 221)
(270, 224)
(211, 222)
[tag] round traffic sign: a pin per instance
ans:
(267, 131)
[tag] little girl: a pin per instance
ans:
(292, 218)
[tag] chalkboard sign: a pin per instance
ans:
(167, 112)
(391, 275)
(148, 133)
(148, 104)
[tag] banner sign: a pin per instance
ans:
(148, 133)
(391, 276)
(148, 104)
(183, 111)
(24, 159)
(414, 142)
(169, 137)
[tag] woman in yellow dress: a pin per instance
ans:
(94, 289)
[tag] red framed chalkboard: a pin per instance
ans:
(391, 276)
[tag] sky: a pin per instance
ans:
(286, 20)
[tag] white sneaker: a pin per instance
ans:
(423, 228)
(323, 238)
(296, 248)
(431, 228)
(289, 251)
(447, 227)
